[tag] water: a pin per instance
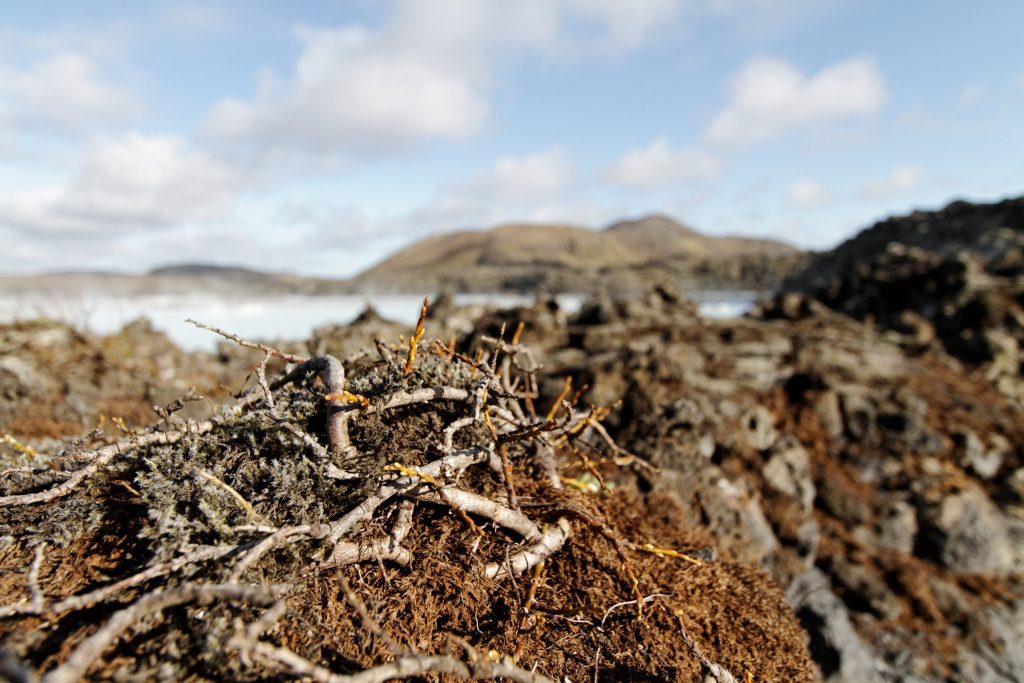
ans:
(274, 317)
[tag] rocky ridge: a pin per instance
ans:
(952, 279)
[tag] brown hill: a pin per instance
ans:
(628, 255)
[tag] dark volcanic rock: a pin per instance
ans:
(811, 442)
(992, 231)
(953, 277)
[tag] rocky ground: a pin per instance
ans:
(845, 465)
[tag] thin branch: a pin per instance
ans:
(102, 457)
(369, 623)
(443, 467)
(506, 472)
(722, 674)
(261, 378)
(403, 667)
(475, 504)
(34, 590)
(414, 340)
(548, 464)
(305, 437)
(550, 542)
(77, 664)
(617, 605)
(87, 600)
(248, 344)
(230, 490)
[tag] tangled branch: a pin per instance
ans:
(491, 447)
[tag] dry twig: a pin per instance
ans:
(76, 666)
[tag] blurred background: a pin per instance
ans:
(225, 144)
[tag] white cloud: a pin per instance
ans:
(533, 187)
(658, 165)
(128, 184)
(625, 25)
(425, 74)
(770, 97)
(901, 179)
(64, 92)
(528, 187)
(534, 176)
(353, 92)
(808, 193)
(973, 93)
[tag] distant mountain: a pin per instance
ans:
(186, 278)
(628, 255)
(209, 270)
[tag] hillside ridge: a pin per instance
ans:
(627, 255)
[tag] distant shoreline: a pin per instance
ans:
(280, 316)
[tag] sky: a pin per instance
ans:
(318, 137)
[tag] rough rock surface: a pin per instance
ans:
(831, 454)
(875, 477)
(952, 278)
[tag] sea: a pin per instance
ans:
(277, 317)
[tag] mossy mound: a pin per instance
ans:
(420, 512)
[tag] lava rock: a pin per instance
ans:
(758, 426)
(840, 653)
(966, 533)
(789, 472)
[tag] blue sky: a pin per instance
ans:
(319, 136)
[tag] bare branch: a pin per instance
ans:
(475, 504)
(77, 664)
(246, 343)
(34, 590)
(442, 467)
(280, 537)
(449, 432)
(13, 670)
(550, 542)
(405, 398)
(346, 553)
(102, 457)
(86, 600)
(403, 667)
(403, 521)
